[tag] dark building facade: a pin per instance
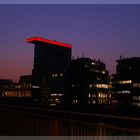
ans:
(89, 82)
(51, 62)
(126, 81)
(21, 89)
(25, 84)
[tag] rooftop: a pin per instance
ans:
(35, 40)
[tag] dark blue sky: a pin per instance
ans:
(70, 1)
(97, 31)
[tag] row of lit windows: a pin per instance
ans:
(136, 104)
(102, 101)
(125, 82)
(92, 102)
(17, 87)
(11, 94)
(75, 101)
(55, 94)
(93, 70)
(123, 92)
(106, 86)
(136, 97)
(17, 94)
(100, 95)
(56, 75)
(99, 102)
(26, 85)
(136, 85)
(92, 95)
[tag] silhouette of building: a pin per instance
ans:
(126, 81)
(21, 89)
(89, 82)
(4, 84)
(51, 62)
(25, 84)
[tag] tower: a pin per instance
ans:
(51, 62)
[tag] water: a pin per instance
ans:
(29, 122)
(64, 127)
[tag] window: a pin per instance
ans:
(89, 95)
(125, 82)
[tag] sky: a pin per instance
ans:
(101, 31)
(70, 1)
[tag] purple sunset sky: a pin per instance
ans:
(97, 31)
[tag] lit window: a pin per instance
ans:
(93, 63)
(103, 72)
(93, 95)
(89, 95)
(125, 82)
(136, 85)
(124, 92)
(55, 75)
(93, 101)
(135, 97)
(61, 74)
(35, 86)
(103, 86)
(90, 85)
(98, 78)
(75, 101)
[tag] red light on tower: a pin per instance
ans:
(47, 41)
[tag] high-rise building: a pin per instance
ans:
(126, 81)
(89, 82)
(51, 62)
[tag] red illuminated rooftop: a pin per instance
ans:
(35, 40)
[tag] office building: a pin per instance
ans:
(51, 62)
(126, 81)
(89, 82)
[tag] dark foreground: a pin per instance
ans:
(33, 121)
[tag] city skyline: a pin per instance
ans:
(97, 31)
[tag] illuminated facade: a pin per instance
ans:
(22, 89)
(89, 82)
(51, 62)
(126, 81)
(25, 84)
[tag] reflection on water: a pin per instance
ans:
(63, 127)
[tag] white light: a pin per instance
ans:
(103, 72)
(90, 85)
(35, 86)
(125, 82)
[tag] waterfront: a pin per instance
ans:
(34, 122)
